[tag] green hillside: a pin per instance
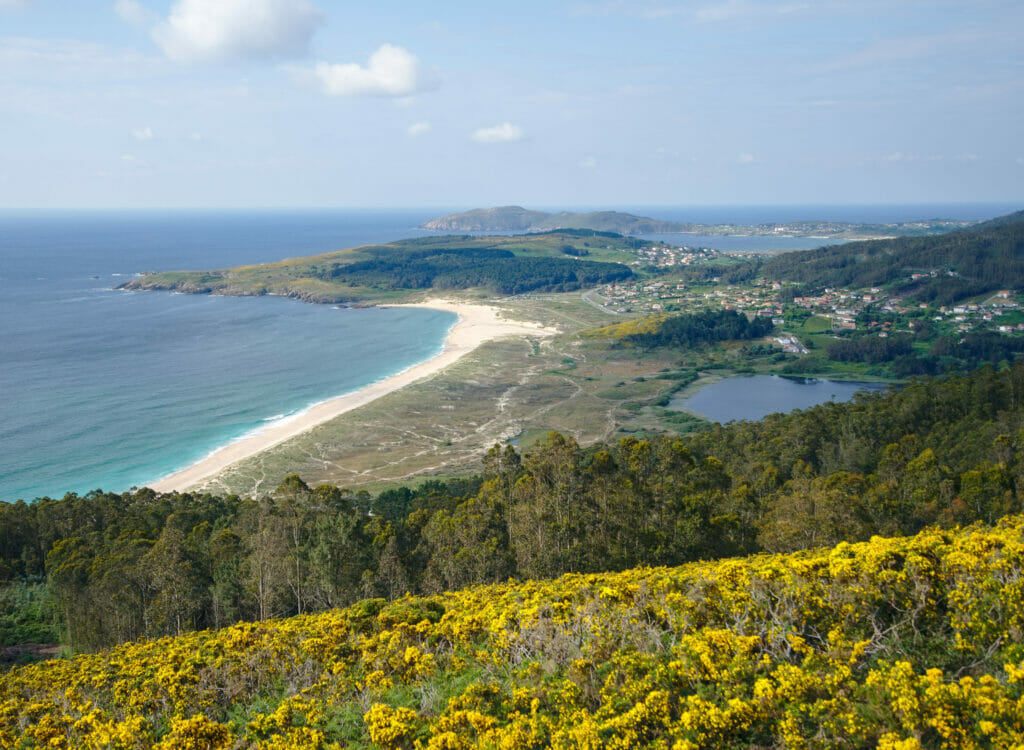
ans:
(549, 262)
(950, 267)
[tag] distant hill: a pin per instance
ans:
(501, 219)
(519, 219)
(949, 267)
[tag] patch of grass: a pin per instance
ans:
(816, 324)
(683, 421)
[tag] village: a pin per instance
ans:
(839, 310)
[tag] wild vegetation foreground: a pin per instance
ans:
(899, 642)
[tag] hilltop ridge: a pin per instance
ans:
(519, 219)
(941, 269)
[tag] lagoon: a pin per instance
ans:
(751, 397)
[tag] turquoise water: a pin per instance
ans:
(752, 397)
(111, 389)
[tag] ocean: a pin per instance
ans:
(109, 389)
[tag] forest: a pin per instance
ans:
(113, 568)
(495, 269)
(872, 349)
(968, 262)
(698, 329)
(943, 353)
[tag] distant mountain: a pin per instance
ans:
(519, 219)
(501, 219)
(940, 269)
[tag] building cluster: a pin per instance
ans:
(664, 296)
(669, 256)
(869, 309)
(965, 318)
(791, 344)
(844, 307)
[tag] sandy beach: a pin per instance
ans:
(476, 325)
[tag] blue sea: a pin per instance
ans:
(109, 389)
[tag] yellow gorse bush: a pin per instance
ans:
(895, 643)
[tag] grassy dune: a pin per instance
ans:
(513, 389)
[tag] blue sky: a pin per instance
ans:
(111, 103)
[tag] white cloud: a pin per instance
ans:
(588, 162)
(143, 134)
(886, 52)
(418, 128)
(134, 162)
(216, 30)
(726, 11)
(715, 12)
(746, 159)
(899, 156)
(506, 132)
(390, 71)
(130, 11)
(65, 62)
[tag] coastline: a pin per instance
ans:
(476, 324)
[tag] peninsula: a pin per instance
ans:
(408, 270)
(519, 219)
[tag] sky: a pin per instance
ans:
(291, 103)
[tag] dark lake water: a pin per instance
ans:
(752, 397)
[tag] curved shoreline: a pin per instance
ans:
(476, 325)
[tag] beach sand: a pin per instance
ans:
(476, 324)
